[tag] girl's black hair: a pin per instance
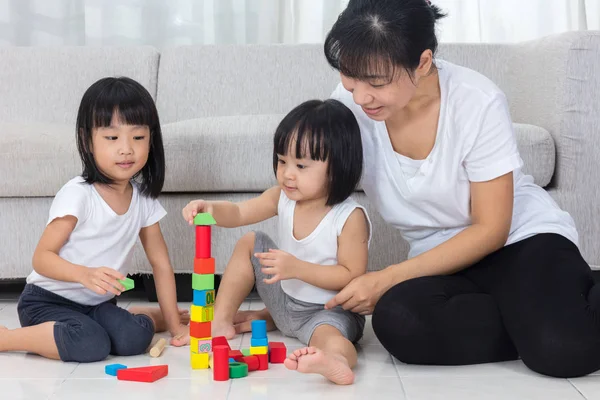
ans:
(134, 106)
(371, 38)
(329, 132)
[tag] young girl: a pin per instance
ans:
(323, 236)
(68, 309)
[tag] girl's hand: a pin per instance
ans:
(194, 208)
(181, 337)
(362, 293)
(102, 280)
(277, 263)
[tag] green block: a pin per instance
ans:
(238, 370)
(128, 283)
(204, 219)
(203, 281)
(246, 352)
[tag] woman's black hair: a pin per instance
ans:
(371, 38)
(328, 131)
(134, 106)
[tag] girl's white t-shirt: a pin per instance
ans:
(320, 247)
(101, 237)
(475, 142)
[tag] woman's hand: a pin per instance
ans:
(194, 208)
(102, 280)
(362, 293)
(278, 264)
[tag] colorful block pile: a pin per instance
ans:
(203, 285)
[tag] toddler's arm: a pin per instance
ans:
(232, 215)
(47, 262)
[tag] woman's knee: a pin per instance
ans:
(82, 342)
(134, 338)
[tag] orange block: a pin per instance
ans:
(200, 329)
(204, 265)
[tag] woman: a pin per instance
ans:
(494, 272)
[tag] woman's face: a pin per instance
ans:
(380, 98)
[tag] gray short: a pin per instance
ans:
(297, 318)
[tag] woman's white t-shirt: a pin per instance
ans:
(320, 247)
(429, 200)
(101, 237)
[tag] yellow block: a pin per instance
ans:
(199, 360)
(254, 350)
(202, 314)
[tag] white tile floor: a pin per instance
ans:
(26, 376)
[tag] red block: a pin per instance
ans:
(220, 341)
(220, 363)
(200, 329)
(263, 361)
(143, 374)
(236, 355)
(252, 362)
(202, 241)
(204, 266)
(277, 352)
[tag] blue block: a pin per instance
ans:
(259, 329)
(259, 342)
(232, 360)
(204, 298)
(112, 369)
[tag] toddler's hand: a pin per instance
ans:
(194, 208)
(102, 280)
(277, 263)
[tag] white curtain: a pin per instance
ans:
(163, 23)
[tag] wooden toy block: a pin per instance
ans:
(246, 352)
(220, 363)
(158, 348)
(204, 219)
(263, 361)
(200, 329)
(259, 328)
(203, 282)
(128, 283)
(238, 370)
(277, 352)
(199, 360)
(204, 345)
(220, 341)
(252, 362)
(202, 241)
(143, 374)
(204, 298)
(258, 350)
(231, 360)
(204, 265)
(259, 342)
(201, 314)
(111, 369)
(236, 355)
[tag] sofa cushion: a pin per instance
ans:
(221, 154)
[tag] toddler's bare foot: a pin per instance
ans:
(243, 320)
(312, 360)
(222, 328)
(157, 317)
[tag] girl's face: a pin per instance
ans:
(302, 179)
(120, 151)
(379, 98)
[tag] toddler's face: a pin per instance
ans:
(121, 151)
(302, 178)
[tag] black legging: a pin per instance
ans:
(534, 299)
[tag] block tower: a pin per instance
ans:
(203, 285)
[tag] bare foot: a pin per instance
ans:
(157, 317)
(310, 360)
(222, 328)
(242, 321)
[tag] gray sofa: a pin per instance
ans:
(219, 106)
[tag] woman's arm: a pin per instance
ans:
(156, 250)
(232, 215)
(491, 215)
